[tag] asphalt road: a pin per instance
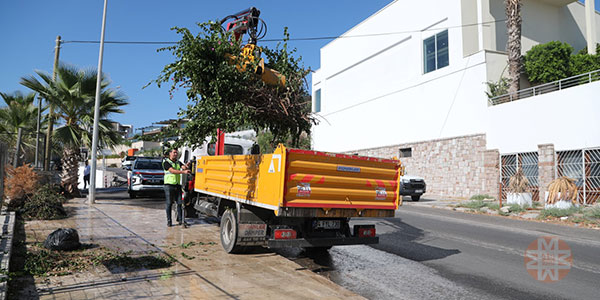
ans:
(429, 253)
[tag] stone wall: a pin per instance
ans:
(452, 167)
(546, 167)
(491, 167)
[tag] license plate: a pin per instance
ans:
(252, 230)
(418, 191)
(328, 224)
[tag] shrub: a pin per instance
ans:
(584, 63)
(563, 188)
(498, 88)
(475, 204)
(19, 183)
(481, 197)
(593, 212)
(518, 183)
(45, 204)
(548, 62)
(558, 213)
(516, 208)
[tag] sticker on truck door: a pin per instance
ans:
(272, 165)
(380, 194)
(303, 189)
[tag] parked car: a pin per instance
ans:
(127, 162)
(146, 176)
(413, 186)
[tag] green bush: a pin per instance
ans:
(558, 213)
(475, 204)
(516, 208)
(584, 63)
(593, 212)
(481, 197)
(548, 62)
(45, 204)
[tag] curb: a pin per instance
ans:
(7, 220)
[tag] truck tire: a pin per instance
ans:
(415, 197)
(132, 195)
(229, 232)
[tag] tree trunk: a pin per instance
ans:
(70, 168)
(513, 45)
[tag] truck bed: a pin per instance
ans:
(293, 181)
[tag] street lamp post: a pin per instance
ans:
(92, 194)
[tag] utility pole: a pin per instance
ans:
(47, 152)
(97, 112)
(37, 133)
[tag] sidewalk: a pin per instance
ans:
(202, 270)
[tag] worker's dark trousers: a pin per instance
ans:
(173, 195)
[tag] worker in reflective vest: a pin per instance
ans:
(172, 184)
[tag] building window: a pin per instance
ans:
(317, 106)
(435, 52)
(406, 152)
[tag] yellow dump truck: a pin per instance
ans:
(295, 197)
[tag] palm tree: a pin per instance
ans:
(513, 45)
(73, 97)
(20, 113)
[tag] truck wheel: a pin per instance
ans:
(415, 198)
(229, 232)
(132, 194)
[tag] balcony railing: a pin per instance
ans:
(546, 88)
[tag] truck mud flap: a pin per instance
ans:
(322, 242)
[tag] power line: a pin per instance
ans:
(290, 39)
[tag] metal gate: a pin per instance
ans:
(584, 167)
(528, 162)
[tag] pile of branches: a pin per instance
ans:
(224, 95)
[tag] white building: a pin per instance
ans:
(417, 77)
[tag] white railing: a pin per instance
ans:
(546, 88)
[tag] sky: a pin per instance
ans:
(28, 29)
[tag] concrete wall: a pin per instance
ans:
(569, 119)
(374, 92)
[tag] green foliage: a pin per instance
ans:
(493, 206)
(584, 50)
(593, 212)
(475, 204)
(548, 62)
(497, 88)
(45, 204)
(557, 212)
(223, 91)
(73, 96)
(516, 208)
(584, 63)
(268, 142)
(43, 262)
(481, 197)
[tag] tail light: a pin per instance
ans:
(137, 173)
(365, 230)
(285, 234)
